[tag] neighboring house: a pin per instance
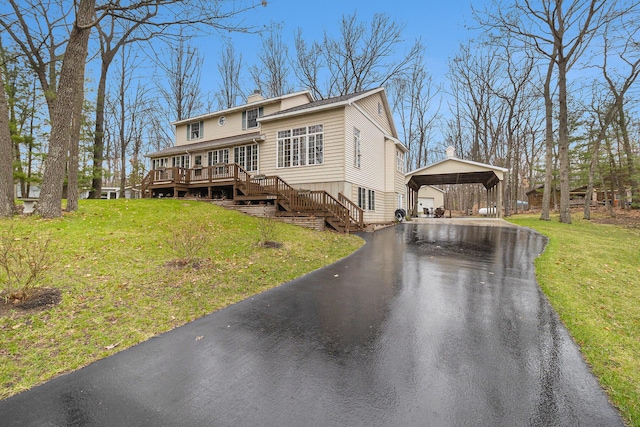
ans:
(114, 193)
(34, 192)
(576, 197)
(344, 149)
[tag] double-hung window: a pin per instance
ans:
(356, 145)
(195, 130)
(399, 161)
(371, 202)
(250, 118)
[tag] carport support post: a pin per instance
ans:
(488, 199)
(499, 204)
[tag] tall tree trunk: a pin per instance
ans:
(548, 156)
(73, 67)
(98, 141)
(563, 143)
(7, 204)
(592, 170)
(74, 148)
(631, 167)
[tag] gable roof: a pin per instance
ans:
(335, 102)
(453, 170)
(319, 104)
(244, 107)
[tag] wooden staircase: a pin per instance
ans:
(340, 214)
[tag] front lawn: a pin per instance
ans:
(123, 279)
(591, 274)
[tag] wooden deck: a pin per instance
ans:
(230, 181)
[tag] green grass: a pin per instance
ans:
(591, 275)
(110, 265)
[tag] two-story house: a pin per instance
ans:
(345, 149)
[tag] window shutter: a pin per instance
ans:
(201, 128)
(244, 120)
(188, 131)
(260, 111)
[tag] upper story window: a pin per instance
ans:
(399, 161)
(250, 117)
(357, 154)
(195, 130)
(300, 146)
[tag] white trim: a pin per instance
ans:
(455, 159)
(244, 107)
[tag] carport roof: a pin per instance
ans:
(455, 171)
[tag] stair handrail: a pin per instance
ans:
(356, 213)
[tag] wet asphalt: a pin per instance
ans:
(426, 325)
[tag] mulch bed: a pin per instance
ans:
(41, 299)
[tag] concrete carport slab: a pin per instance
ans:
(453, 170)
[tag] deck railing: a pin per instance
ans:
(356, 213)
(318, 201)
(197, 175)
(342, 209)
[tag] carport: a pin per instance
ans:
(453, 170)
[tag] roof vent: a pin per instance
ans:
(451, 152)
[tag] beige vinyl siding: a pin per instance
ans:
(232, 126)
(370, 106)
(389, 166)
(391, 204)
(383, 212)
(332, 169)
(332, 188)
(371, 172)
(294, 101)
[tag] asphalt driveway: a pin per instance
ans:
(427, 325)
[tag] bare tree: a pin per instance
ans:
(358, 59)
(194, 14)
(413, 99)
(62, 115)
(229, 68)
(517, 73)
(272, 75)
(473, 73)
(618, 87)
(182, 73)
(561, 32)
(112, 39)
